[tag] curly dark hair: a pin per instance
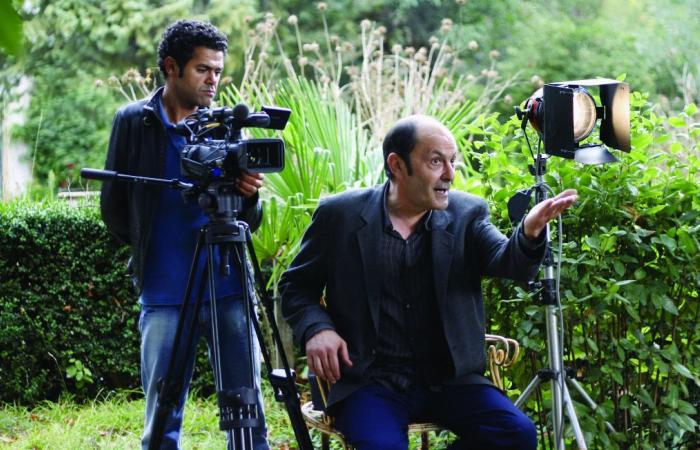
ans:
(182, 37)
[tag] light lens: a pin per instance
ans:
(584, 114)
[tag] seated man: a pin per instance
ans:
(402, 335)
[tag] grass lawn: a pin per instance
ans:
(115, 422)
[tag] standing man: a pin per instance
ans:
(162, 230)
(401, 338)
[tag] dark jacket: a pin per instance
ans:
(137, 147)
(340, 253)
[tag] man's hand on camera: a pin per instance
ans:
(322, 352)
(248, 184)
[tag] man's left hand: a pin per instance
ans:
(248, 184)
(543, 212)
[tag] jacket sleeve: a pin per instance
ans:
(302, 285)
(517, 257)
(114, 195)
(252, 212)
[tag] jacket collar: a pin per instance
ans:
(152, 101)
(439, 219)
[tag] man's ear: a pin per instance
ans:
(396, 164)
(171, 67)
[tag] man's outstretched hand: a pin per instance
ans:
(322, 353)
(547, 210)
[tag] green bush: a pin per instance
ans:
(629, 284)
(67, 310)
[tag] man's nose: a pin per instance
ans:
(448, 174)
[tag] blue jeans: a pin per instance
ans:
(377, 418)
(158, 326)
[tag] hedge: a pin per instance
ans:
(68, 310)
(66, 305)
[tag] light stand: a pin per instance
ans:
(564, 114)
(556, 374)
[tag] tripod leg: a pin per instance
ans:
(588, 400)
(237, 407)
(525, 395)
(283, 384)
(171, 386)
(573, 418)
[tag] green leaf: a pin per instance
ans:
(681, 369)
(619, 267)
(617, 376)
(10, 29)
(642, 141)
(677, 121)
(654, 209)
(691, 109)
(669, 306)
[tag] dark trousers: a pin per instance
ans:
(377, 418)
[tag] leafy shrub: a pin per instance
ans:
(66, 305)
(629, 283)
(68, 311)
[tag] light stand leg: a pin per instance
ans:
(591, 403)
(525, 395)
(571, 412)
(557, 381)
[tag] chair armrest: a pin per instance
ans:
(501, 352)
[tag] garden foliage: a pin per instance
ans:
(630, 255)
(66, 305)
(629, 283)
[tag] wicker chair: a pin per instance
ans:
(501, 353)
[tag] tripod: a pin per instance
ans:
(238, 407)
(548, 287)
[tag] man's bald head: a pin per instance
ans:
(403, 137)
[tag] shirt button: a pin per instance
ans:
(408, 305)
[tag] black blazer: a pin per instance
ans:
(339, 253)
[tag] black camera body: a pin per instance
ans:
(216, 150)
(222, 159)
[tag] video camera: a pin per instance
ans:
(216, 150)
